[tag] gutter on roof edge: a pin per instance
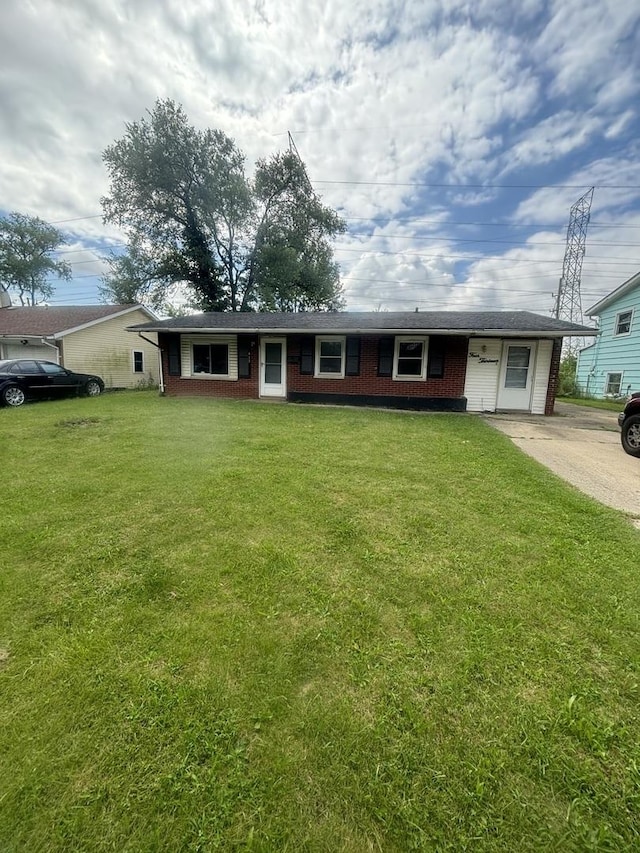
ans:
(547, 333)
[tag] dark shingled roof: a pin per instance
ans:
(41, 320)
(460, 322)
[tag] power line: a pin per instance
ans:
(480, 240)
(76, 219)
(604, 261)
(447, 222)
(441, 222)
(478, 186)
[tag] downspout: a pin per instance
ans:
(594, 363)
(160, 371)
(53, 346)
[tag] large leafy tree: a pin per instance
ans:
(27, 260)
(193, 217)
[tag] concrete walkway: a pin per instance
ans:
(582, 446)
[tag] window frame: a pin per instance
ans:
(410, 339)
(135, 352)
(618, 334)
(200, 374)
(187, 342)
(608, 393)
(320, 339)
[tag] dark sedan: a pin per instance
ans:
(24, 379)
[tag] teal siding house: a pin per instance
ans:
(610, 366)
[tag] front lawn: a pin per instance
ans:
(592, 403)
(243, 626)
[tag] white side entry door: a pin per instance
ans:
(273, 367)
(516, 375)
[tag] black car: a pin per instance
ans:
(26, 379)
(629, 423)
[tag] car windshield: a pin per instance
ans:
(5, 363)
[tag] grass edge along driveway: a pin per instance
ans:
(234, 626)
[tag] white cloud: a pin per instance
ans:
(426, 91)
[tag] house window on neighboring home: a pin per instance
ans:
(409, 360)
(623, 323)
(613, 384)
(330, 357)
(138, 361)
(211, 359)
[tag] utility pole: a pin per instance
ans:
(568, 301)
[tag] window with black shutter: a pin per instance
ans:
(174, 355)
(385, 356)
(244, 358)
(306, 356)
(353, 357)
(330, 356)
(435, 364)
(211, 359)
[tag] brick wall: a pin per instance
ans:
(451, 385)
(239, 389)
(368, 383)
(554, 370)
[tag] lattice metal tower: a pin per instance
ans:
(568, 301)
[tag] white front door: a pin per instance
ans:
(516, 376)
(273, 367)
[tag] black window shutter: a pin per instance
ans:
(435, 363)
(353, 357)
(385, 356)
(306, 356)
(174, 355)
(244, 357)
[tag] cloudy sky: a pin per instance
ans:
(452, 135)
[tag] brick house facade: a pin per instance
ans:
(451, 361)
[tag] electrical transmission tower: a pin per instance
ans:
(568, 302)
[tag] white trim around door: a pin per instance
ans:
(273, 367)
(517, 370)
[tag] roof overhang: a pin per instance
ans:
(624, 288)
(486, 333)
(45, 338)
(89, 323)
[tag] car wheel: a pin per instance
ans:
(13, 396)
(92, 388)
(631, 435)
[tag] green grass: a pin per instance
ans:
(592, 403)
(242, 626)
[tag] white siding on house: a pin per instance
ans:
(483, 371)
(612, 353)
(186, 344)
(107, 349)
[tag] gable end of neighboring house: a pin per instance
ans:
(610, 366)
(86, 339)
(106, 348)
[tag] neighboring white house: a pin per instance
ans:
(84, 338)
(610, 366)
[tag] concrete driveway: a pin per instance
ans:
(582, 446)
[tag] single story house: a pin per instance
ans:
(85, 338)
(610, 365)
(445, 360)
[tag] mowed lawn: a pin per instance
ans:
(242, 626)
